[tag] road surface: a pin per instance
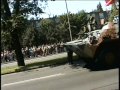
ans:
(63, 77)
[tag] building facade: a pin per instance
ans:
(100, 17)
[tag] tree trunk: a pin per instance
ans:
(17, 47)
(14, 34)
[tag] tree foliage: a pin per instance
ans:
(99, 8)
(56, 29)
(114, 12)
(13, 16)
(17, 30)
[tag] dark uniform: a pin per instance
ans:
(70, 56)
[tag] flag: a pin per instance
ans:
(108, 2)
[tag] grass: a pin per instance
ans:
(8, 70)
(14, 69)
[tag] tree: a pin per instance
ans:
(77, 22)
(99, 7)
(55, 29)
(5, 41)
(114, 12)
(13, 13)
(48, 28)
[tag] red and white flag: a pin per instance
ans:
(108, 2)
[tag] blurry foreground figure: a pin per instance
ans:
(108, 32)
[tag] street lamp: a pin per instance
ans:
(68, 21)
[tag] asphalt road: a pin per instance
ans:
(64, 77)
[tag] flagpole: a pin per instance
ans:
(68, 21)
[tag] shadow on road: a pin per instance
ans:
(80, 63)
(99, 68)
(76, 64)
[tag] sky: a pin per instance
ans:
(58, 7)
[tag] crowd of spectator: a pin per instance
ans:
(31, 52)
